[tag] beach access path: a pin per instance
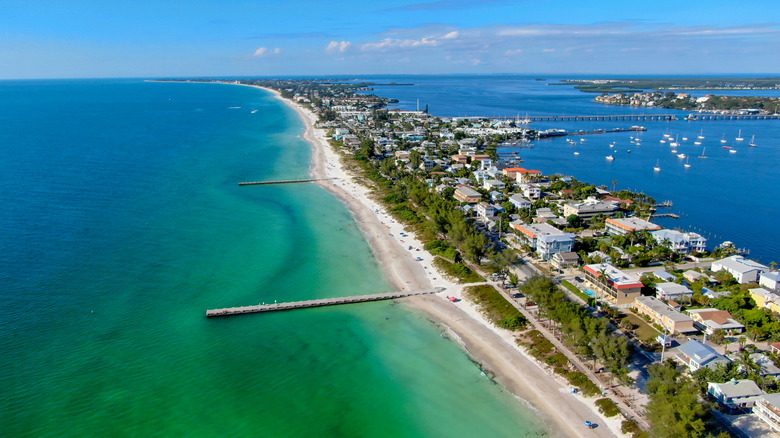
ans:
(492, 347)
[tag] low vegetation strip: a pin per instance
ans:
(607, 407)
(576, 291)
(496, 308)
(457, 271)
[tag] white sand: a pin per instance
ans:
(492, 347)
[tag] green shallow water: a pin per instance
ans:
(124, 223)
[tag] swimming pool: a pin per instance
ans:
(590, 293)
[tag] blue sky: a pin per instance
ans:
(119, 38)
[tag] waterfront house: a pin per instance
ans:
(743, 270)
(545, 239)
(709, 320)
(663, 315)
(527, 175)
(467, 195)
(612, 284)
(623, 226)
(672, 291)
(736, 394)
(681, 242)
(767, 408)
(519, 202)
(563, 260)
(770, 280)
(696, 355)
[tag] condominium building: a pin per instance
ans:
(613, 284)
(590, 208)
(663, 315)
(623, 226)
(743, 270)
(678, 241)
(545, 239)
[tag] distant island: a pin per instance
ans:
(624, 85)
(753, 105)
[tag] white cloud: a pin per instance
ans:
(476, 62)
(260, 51)
(277, 51)
(513, 52)
(548, 50)
(394, 43)
(335, 46)
(452, 35)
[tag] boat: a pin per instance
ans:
(723, 140)
(681, 156)
(657, 167)
(686, 163)
(702, 153)
(663, 141)
(726, 147)
(752, 143)
(685, 138)
(739, 136)
(576, 153)
(701, 135)
(610, 157)
(733, 151)
(675, 143)
(697, 143)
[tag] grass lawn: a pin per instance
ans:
(645, 331)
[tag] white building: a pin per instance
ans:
(735, 395)
(519, 202)
(743, 270)
(770, 280)
(531, 191)
(767, 408)
(623, 226)
(590, 208)
(485, 210)
(672, 291)
(492, 184)
(545, 239)
(684, 243)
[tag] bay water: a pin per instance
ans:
(122, 222)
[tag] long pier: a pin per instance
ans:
(283, 181)
(316, 303)
(641, 117)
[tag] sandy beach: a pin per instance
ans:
(493, 348)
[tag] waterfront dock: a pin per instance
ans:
(283, 181)
(317, 303)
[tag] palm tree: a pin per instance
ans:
(614, 185)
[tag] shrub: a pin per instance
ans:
(607, 407)
(497, 309)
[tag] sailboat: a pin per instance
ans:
(657, 167)
(739, 136)
(752, 142)
(702, 152)
(675, 143)
(701, 135)
(697, 142)
(723, 140)
(686, 163)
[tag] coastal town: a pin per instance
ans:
(639, 317)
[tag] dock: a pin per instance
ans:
(317, 303)
(283, 181)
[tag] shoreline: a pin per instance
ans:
(492, 348)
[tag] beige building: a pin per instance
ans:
(663, 315)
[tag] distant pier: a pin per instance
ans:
(316, 303)
(283, 181)
(638, 117)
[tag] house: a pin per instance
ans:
(663, 275)
(496, 196)
(459, 158)
(770, 280)
(519, 202)
(736, 394)
(526, 175)
(485, 210)
(743, 270)
(767, 408)
(604, 257)
(709, 320)
(563, 260)
(768, 367)
(467, 194)
(678, 241)
(696, 355)
(613, 284)
(531, 191)
(590, 208)
(545, 239)
(663, 315)
(623, 226)
(492, 184)
(672, 291)
(765, 299)
(693, 276)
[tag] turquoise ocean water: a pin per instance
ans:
(122, 223)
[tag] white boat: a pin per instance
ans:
(701, 135)
(752, 142)
(733, 151)
(723, 140)
(686, 163)
(610, 157)
(685, 138)
(702, 152)
(674, 151)
(681, 156)
(697, 143)
(663, 141)
(739, 136)
(576, 153)
(675, 143)
(657, 167)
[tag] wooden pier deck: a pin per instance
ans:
(283, 181)
(316, 303)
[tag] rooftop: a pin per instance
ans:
(619, 279)
(633, 224)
